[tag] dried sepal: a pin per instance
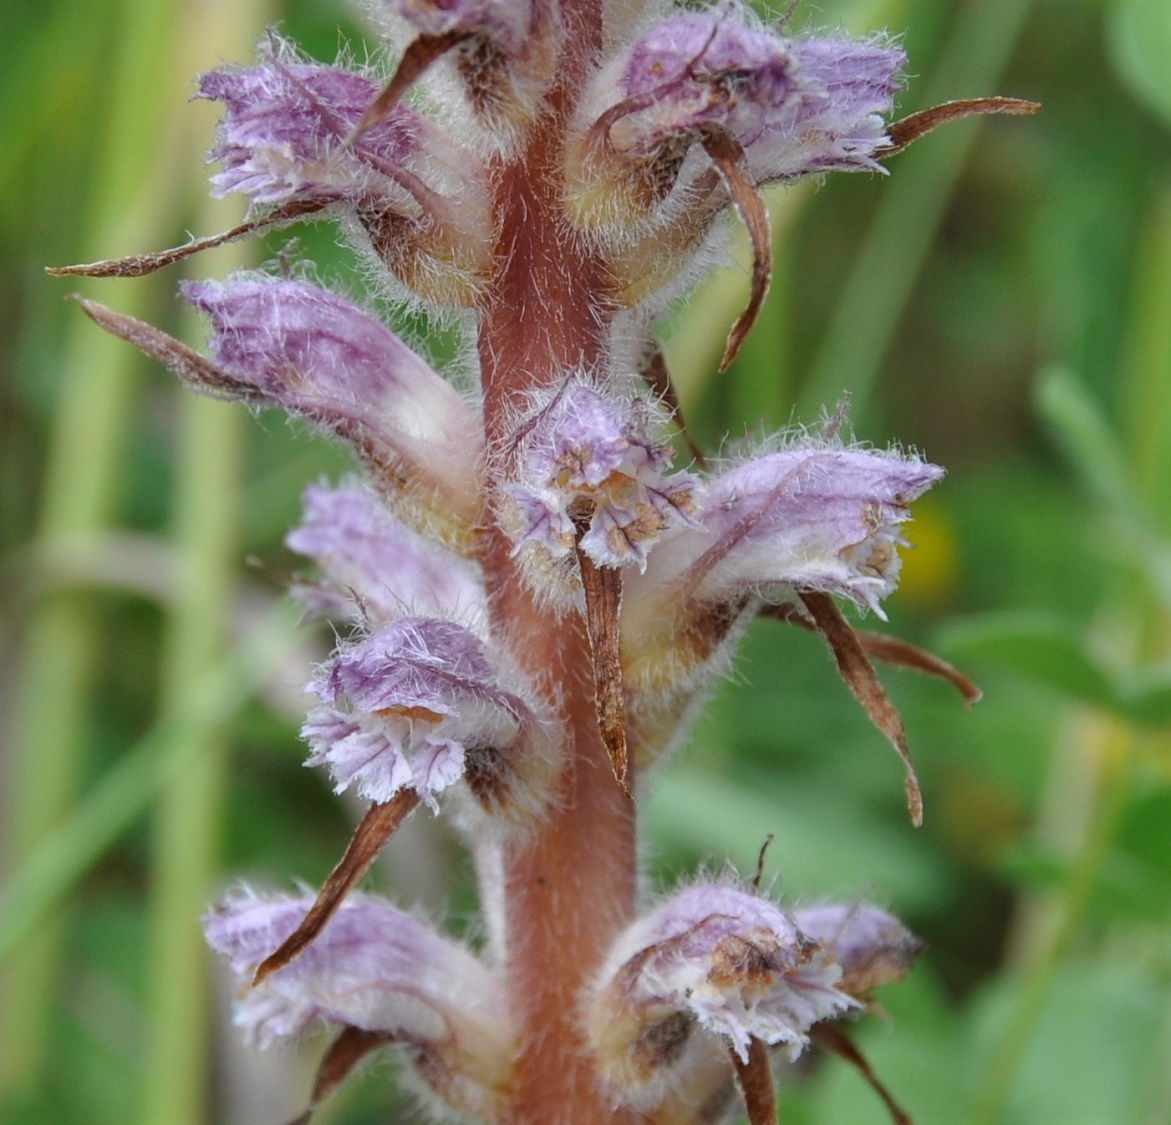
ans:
(177, 357)
(909, 129)
(340, 1058)
(887, 650)
(652, 367)
(370, 837)
(859, 676)
(418, 56)
(832, 1038)
(755, 1078)
(728, 156)
(603, 601)
(142, 265)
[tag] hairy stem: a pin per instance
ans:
(570, 887)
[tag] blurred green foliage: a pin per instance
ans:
(1002, 302)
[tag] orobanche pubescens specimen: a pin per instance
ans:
(531, 596)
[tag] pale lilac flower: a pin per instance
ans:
(710, 958)
(585, 459)
(374, 565)
(406, 706)
(793, 107)
(287, 137)
(811, 517)
(871, 945)
(282, 131)
(379, 970)
(321, 357)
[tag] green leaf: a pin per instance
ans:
(1140, 46)
(1043, 648)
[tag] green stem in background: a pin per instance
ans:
(64, 854)
(1127, 483)
(1147, 362)
(187, 824)
(80, 490)
(1115, 777)
(913, 204)
(189, 815)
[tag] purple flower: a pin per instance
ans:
(323, 358)
(375, 564)
(283, 127)
(810, 517)
(422, 201)
(712, 958)
(407, 706)
(379, 970)
(587, 463)
(871, 946)
(792, 107)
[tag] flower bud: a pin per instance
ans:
(325, 359)
(376, 969)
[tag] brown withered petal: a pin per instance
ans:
(727, 154)
(912, 127)
(141, 265)
(832, 1038)
(176, 356)
(756, 1084)
(889, 650)
(371, 835)
(653, 369)
(603, 599)
(860, 677)
(344, 1053)
(901, 654)
(418, 56)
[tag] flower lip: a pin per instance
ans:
(403, 708)
(727, 961)
(283, 127)
(587, 460)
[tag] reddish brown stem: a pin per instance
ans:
(569, 887)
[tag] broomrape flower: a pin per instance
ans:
(531, 593)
